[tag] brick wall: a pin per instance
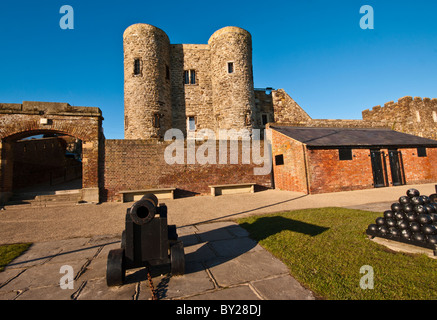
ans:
(291, 175)
(420, 169)
(329, 174)
(140, 164)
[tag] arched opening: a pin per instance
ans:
(42, 166)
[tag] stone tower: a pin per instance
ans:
(147, 93)
(232, 78)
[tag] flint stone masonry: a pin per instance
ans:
(415, 116)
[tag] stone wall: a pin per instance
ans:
(147, 95)
(286, 110)
(414, 116)
(140, 164)
(233, 93)
(191, 100)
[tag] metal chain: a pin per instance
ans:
(152, 288)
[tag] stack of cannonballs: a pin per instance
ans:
(413, 219)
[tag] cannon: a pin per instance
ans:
(146, 241)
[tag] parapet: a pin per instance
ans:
(225, 30)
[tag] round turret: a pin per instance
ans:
(232, 78)
(147, 93)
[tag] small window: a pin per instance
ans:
(264, 119)
(137, 67)
(345, 154)
(421, 152)
(189, 77)
(279, 160)
(230, 67)
(156, 120)
(191, 123)
(167, 73)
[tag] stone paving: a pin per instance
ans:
(222, 262)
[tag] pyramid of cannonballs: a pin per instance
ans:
(413, 220)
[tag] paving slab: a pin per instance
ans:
(282, 288)
(222, 262)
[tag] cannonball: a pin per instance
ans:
(432, 239)
(413, 193)
(430, 208)
(419, 209)
(395, 232)
(380, 221)
(424, 218)
(411, 216)
(390, 222)
(404, 200)
(414, 226)
(406, 234)
(418, 236)
(416, 201)
(373, 227)
(425, 199)
(389, 214)
(402, 225)
(383, 230)
(429, 229)
(396, 207)
(400, 215)
(408, 207)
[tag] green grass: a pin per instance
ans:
(325, 248)
(9, 252)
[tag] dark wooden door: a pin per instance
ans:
(377, 168)
(396, 167)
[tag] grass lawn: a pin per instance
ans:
(325, 249)
(9, 252)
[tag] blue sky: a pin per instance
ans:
(313, 49)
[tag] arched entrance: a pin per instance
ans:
(18, 121)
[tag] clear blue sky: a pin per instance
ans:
(315, 50)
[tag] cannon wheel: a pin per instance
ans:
(177, 258)
(115, 268)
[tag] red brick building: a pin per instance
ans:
(319, 160)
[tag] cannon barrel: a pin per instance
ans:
(144, 210)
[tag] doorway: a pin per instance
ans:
(377, 168)
(396, 167)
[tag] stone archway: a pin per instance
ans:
(32, 118)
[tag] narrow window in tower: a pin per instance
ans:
(193, 77)
(264, 119)
(189, 77)
(137, 67)
(230, 67)
(191, 123)
(156, 120)
(167, 73)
